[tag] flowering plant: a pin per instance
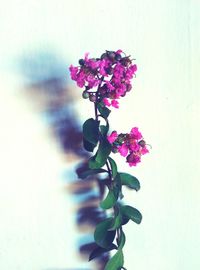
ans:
(105, 80)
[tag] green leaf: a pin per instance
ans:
(110, 200)
(122, 240)
(104, 130)
(102, 236)
(116, 262)
(89, 172)
(117, 222)
(99, 251)
(113, 166)
(100, 158)
(131, 213)
(88, 146)
(117, 181)
(103, 151)
(91, 131)
(93, 164)
(118, 185)
(104, 111)
(125, 220)
(130, 181)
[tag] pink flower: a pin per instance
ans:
(123, 150)
(134, 146)
(121, 90)
(115, 103)
(133, 159)
(73, 72)
(135, 133)
(129, 145)
(144, 151)
(102, 65)
(133, 68)
(118, 70)
(92, 81)
(115, 66)
(93, 64)
(119, 51)
(80, 79)
(110, 86)
(86, 56)
(106, 102)
(112, 137)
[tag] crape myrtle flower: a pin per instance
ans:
(108, 77)
(130, 145)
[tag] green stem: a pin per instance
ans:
(109, 173)
(115, 208)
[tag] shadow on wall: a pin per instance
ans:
(45, 76)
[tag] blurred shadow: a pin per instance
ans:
(45, 76)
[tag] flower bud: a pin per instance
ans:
(114, 149)
(103, 56)
(123, 95)
(132, 158)
(92, 97)
(102, 91)
(111, 55)
(85, 94)
(118, 57)
(125, 61)
(128, 87)
(121, 138)
(142, 143)
(111, 95)
(81, 62)
(109, 70)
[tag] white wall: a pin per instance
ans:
(164, 38)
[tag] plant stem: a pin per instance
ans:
(96, 111)
(115, 208)
(109, 173)
(96, 94)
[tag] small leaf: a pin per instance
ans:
(130, 181)
(110, 200)
(88, 146)
(113, 166)
(122, 240)
(104, 111)
(104, 130)
(89, 172)
(91, 131)
(116, 262)
(117, 222)
(93, 164)
(100, 158)
(117, 181)
(99, 251)
(102, 236)
(118, 185)
(125, 220)
(131, 213)
(103, 152)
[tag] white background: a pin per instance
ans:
(36, 216)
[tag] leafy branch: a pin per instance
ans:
(110, 75)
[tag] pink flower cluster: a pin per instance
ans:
(130, 145)
(109, 76)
